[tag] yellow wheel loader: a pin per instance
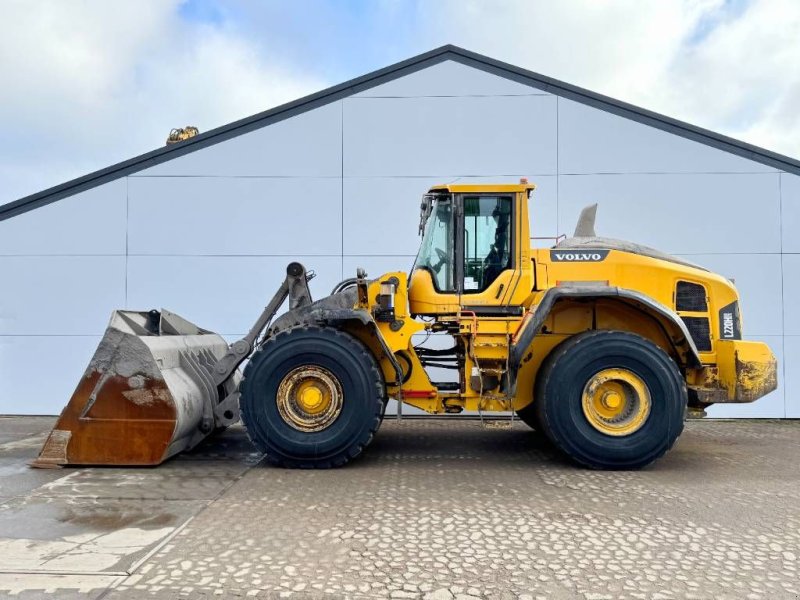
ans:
(603, 345)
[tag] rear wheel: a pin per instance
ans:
(528, 415)
(312, 397)
(610, 399)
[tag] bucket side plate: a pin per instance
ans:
(142, 398)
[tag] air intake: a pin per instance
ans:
(700, 331)
(690, 297)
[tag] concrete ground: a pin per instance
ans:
(434, 509)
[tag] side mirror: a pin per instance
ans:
(425, 209)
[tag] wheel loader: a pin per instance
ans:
(602, 345)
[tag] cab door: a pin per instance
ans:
(487, 261)
(469, 256)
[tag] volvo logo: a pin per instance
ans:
(582, 255)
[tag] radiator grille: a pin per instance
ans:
(690, 297)
(700, 331)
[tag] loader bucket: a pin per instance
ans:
(146, 395)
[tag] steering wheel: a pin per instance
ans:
(442, 258)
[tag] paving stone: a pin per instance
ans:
(440, 510)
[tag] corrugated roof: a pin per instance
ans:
(370, 80)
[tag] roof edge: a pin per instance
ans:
(631, 111)
(225, 132)
(384, 75)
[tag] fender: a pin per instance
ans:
(636, 299)
(336, 317)
(335, 310)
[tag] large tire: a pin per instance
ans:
(356, 380)
(566, 400)
(530, 416)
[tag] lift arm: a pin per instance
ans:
(295, 287)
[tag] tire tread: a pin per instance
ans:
(273, 455)
(546, 373)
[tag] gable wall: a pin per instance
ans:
(208, 234)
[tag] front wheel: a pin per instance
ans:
(312, 397)
(610, 399)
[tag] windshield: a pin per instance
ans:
(436, 250)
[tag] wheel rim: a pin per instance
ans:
(309, 398)
(616, 402)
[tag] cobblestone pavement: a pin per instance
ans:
(451, 510)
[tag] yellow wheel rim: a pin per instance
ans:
(616, 402)
(309, 398)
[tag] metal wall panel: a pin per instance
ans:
(27, 389)
(381, 214)
(309, 144)
(209, 234)
(789, 373)
(235, 215)
(59, 295)
(759, 282)
(500, 135)
(376, 266)
(771, 406)
(543, 210)
(222, 293)
(679, 213)
(91, 222)
(450, 78)
(594, 141)
(791, 289)
(790, 212)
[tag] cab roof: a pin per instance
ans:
(460, 188)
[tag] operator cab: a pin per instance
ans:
(469, 256)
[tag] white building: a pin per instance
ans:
(206, 227)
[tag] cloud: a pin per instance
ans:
(730, 66)
(612, 47)
(87, 83)
(744, 78)
(91, 83)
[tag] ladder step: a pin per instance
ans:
(492, 371)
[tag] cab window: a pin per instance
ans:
(487, 240)
(436, 250)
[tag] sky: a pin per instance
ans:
(87, 83)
